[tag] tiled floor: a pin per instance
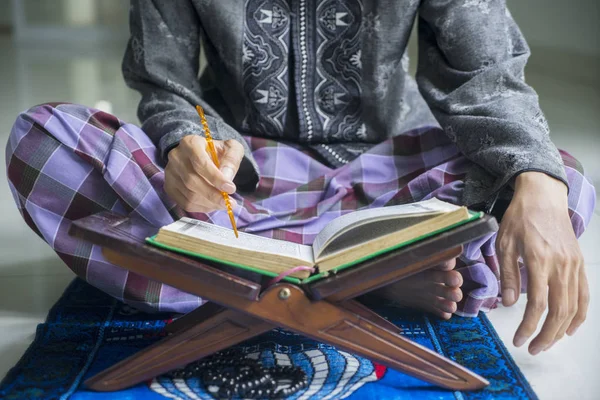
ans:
(32, 277)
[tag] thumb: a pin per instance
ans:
(233, 153)
(510, 277)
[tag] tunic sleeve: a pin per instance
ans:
(472, 58)
(162, 63)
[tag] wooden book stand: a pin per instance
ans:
(240, 308)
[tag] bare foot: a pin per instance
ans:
(436, 291)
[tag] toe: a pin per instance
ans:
(444, 315)
(445, 305)
(447, 266)
(449, 293)
(450, 278)
(454, 279)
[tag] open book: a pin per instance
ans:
(345, 241)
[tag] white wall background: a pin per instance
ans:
(5, 12)
(572, 25)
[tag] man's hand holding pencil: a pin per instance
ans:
(193, 180)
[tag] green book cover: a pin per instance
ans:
(473, 216)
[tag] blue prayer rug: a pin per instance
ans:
(88, 331)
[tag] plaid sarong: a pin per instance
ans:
(67, 161)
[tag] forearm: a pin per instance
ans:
(161, 62)
(471, 73)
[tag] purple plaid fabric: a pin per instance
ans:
(66, 161)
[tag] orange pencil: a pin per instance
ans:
(213, 153)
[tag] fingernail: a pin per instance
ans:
(535, 351)
(508, 296)
(571, 332)
(520, 341)
(228, 173)
(228, 187)
(231, 201)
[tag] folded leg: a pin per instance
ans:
(65, 162)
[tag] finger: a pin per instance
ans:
(536, 305)
(198, 191)
(201, 162)
(510, 277)
(194, 186)
(188, 180)
(557, 314)
(203, 192)
(583, 302)
(196, 195)
(196, 204)
(185, 201)
(572, 304)
(231, 158)
(213, 196)
(179, 198)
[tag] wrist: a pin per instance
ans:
(539, 180)
(538, 186)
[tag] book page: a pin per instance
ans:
(421, 227)
(352, 220)
(370, 231)
(225, 238)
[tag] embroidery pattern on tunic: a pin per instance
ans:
(541, 120)
(138, 50)
(482, 5)
(304, 68)
(371, 24)
(404, 109)
(447, 37)
(338, 69)
(383, 74)
(451, 133)
(405, 61)
(501, 90)
(265, 65)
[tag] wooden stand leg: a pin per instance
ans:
(200, 314)
(190, 343)
(368, 314)
(346, 324)
(349, 331)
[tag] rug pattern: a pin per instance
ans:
(87, 331)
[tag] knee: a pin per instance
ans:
(27, 142)
(26, 120)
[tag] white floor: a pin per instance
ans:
(32, 277)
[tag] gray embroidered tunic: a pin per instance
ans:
(333, 75)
